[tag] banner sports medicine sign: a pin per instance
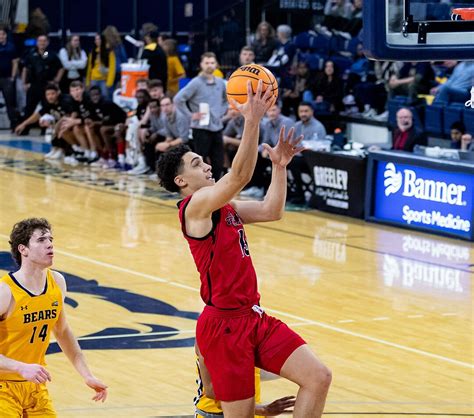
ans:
(422, 197)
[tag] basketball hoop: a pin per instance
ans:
(463, 14)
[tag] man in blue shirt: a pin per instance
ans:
(8, 72)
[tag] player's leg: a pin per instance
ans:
(286, 354)
(38, 403)
(244, 408)
(10, 405)
(312, 376)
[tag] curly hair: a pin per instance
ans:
(169, 166)
(22, 232)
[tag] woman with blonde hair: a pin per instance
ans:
(175, 68)
(114, 42)
(265, 42)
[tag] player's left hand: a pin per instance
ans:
(286, 148)
(280, 406)
(99, 387)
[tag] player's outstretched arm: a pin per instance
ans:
(273, 206)
(208, 199)
(70, 347)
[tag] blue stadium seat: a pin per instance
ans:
(452, 113)
(342, 63)
(315, 61)
(434, 119)
(321, 44)
(469, 119)
(338, 43)
(305, 41)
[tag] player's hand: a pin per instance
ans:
(257, 104)
(286, 148)
(34, 373)
(280, 406)
(99, 387)
(19, 129)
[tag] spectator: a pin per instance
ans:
(283, 55)
(308, 126)
(295, 87)
(42, 66)
(101, 66)
(232, 135)
(175, 68)
(413, 79)
(457, 88)
(312, 130)
(328, 89)
(270, 131)
(457, 130)
(8, 73)
(246, 56)
(74, 60)
(467, 144)
(114, 43)
(176, 125)
(104, 116)
(264, 43)
(156, 58)
(405, 137)
(337, 14)
(205, 96)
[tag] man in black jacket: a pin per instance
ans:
(156, 58)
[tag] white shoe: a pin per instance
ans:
(99, 163)
(58, 154)
(153, 177)
(71, 160)
(139, 170)
(50, 153)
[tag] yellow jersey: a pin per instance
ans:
(25, 333)
(210, 408)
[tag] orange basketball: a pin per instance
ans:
(237, 84)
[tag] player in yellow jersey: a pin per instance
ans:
(31, 306)
(208, 407)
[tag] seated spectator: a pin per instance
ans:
(405, 137)
(126, 135)
(73, 125)
(175, 68)
(246, 56)
(457, 130)
(312, 130)
(328, 89)
(270, 132)
(232, 135)
(142, 84)
(458, 86)
(101, 67)
(176, 125)
(264, 43)
(149, 136)
(467, 144)
(53, 107)
(105, 115)
(282, 57)
(74, 61)
(414, 78)
(294, 87)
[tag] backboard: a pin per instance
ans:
(419, 30)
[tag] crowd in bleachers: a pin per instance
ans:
(323, 77)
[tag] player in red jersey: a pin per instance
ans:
(233, 333)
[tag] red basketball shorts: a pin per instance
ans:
(234, 342)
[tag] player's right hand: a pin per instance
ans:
(34, 373)
(257, 104)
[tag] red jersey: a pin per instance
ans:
(222, 257)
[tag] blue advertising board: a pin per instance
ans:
(420, 194)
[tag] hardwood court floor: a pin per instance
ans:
(388, 310)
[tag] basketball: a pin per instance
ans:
(237, 84)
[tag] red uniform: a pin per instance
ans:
(233, 333)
